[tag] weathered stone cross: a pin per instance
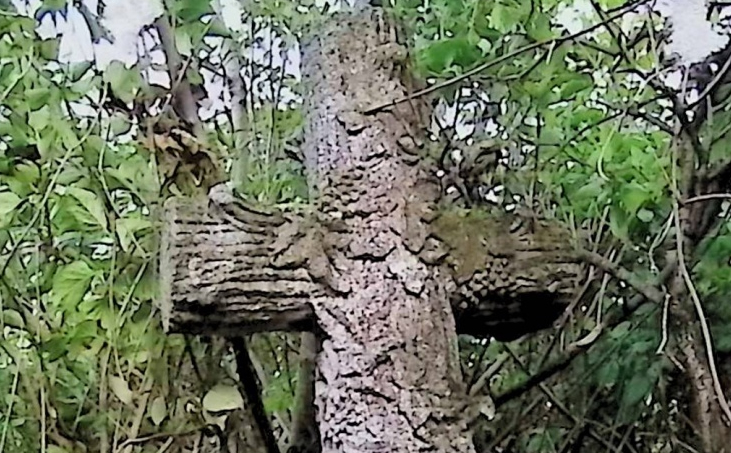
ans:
(374, 263)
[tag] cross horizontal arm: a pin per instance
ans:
(228, 268)
(221, 272)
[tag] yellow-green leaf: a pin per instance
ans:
(91, 203)
(120, 388)
(223, 398)
(158, 410)
(70, 284)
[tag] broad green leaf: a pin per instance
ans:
(540, 28)
(124, 82)
(621, 330)
(277, 397)
(503, 18)
(645, 215)
(223, 398)
(70, 283)
(12, 318)
(192, 10)
(91, 203)
(48, 49)
(485, 46)
(442, 55)
(637, 389)
(183, 41)
(722, 336)
(541, 441)
(35, 98)
(77, 70)
(39, 119)
(120, 388)
(643, 346)
(608, 373)
(55, 348)
(26, 175)
(57, 449)
(84, 85)
(619, 223)
(8, 202)
(120, 124)
(633, 196)
(127, 227)
(158, 410)
(592, 190)
(576, 84)
(218, 28)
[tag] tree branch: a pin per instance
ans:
(648, 292)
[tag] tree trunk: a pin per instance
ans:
(705, 410)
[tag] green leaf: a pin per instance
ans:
(183, 41)
(48, 49)
(192, 10)
(222, 398)
(633, 196)
(8, 202)
(57, 449)
(442, 55)
(55, 348)
(127, 227)
(722, 337)
(576, 84)
(218, 29)
(120, 388)
(39, 119)
(158, 410)
(124, 82)
(540, 28)
(36, 98)
(592, 190)
(120, 124)
(503, 18)
(77, 70)
(91, 203)
(541, 441)
(70, 283)
(12, 318)
(637, 389)
(608, 373)
(620, 330)
(618, 223)
(277, 397)
(645, 215)
(485, 46)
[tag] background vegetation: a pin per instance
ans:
(90, 151)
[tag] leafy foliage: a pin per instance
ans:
(84, 363)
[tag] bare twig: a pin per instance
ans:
(485, 377)
(649, 292)
(708, 196)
